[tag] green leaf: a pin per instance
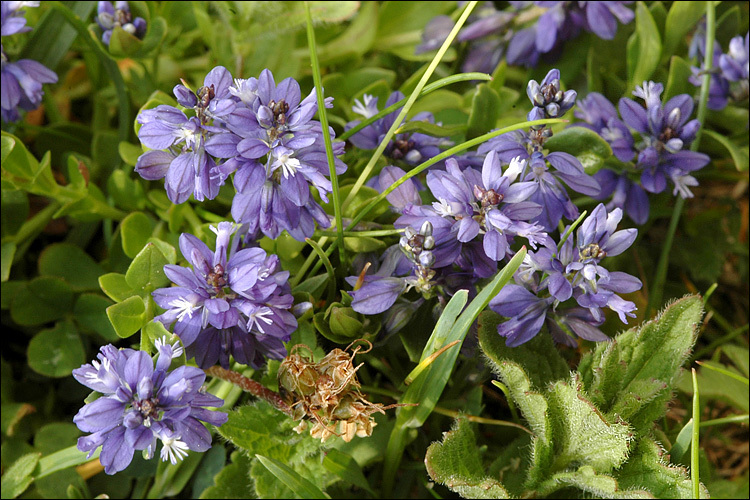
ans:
(456, 463)
(739, 356)
(8, 252)
(128, 316)
(127, 193)
(633, 375)
(677, 81)
(581, 434)
(52, 37)
(739, 155)
(43, 299)
(12, 414)
(681, 19)
(648, 49)
(586, 145)
(90, 312)
(72, 264)
(15, 211)
(146, 272)
(364, 196)
(648, 469)
(116, 286)
(588, 480)
(355, 41)
(123, 44)
(56, 436)
(129, 153)
(260, 429)
(312, 285)
(288, 476)
(59, 460)
(56, 352)
(485, 109)
(232, 481)
(18, 477)
(715, 385)
(345, 467)
(539, 355)
(427, 388)
(363, 244)
(136, 230)
(425, 127)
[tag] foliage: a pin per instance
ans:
(450, 215)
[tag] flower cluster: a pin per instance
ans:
(656, 137)
(729, 79)
(526, 32)
(237, 306)
(572, 272)
(141, 403)
(486, 209)
(110, 17)
(412, 148)
(262, 131)
(548, 192)
(21, 80)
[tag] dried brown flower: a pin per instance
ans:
(328, 393)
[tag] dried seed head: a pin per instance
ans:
(328, 393)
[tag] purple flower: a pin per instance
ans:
(563, 21)
(11, 17)
(411, 148)
(278, 152)
(601, 116)
(626, 194)
(118, 16)
(238, 306)
(550, 193)
(410, 265)
(548, 99)
(554, 276)
(729, 76)
(489, 207)
(665, 133)
(142, 403)
(22, 80)
(734, 64)
(179, 143)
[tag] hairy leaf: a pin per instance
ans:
(647, 469)
(456, 463)
(539, 356)
(641, 365)
(581, 434)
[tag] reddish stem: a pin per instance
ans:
(249, 385)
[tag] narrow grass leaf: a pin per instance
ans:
(290, 477)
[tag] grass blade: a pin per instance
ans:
(290, 478)
(443, 82)
(409, 102)
(427, 388)
(695, 444)
(326, 136)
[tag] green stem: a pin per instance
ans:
(328, 266)
(355, 234)
(428, 88)
(306, 265)
(326, 135)
(412, 98)
(695, 445)
(657, 291)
